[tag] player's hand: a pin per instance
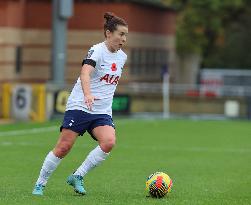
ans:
(89, 101)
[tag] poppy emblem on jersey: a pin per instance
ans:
(114, 67)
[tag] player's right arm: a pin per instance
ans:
(88, 66)
(85, 77)
(85, 82)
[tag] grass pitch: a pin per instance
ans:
(209, 162)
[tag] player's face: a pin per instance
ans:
(117, 38)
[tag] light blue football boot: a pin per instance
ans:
(77, 182)
(38, 189)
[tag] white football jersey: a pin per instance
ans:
(103, 82)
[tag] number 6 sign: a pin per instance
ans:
(21, 102)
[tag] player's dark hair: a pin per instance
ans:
(112, 21)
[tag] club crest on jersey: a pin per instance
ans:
(114, 67)
(111, 79)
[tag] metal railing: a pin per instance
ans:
(188, 89)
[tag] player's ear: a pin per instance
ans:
(108, 33)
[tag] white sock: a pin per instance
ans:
(50, 164)
(94, 158)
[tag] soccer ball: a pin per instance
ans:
(158, 185)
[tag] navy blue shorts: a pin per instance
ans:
(80, 121)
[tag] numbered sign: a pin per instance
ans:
(21, 102)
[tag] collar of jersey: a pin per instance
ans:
(107, 50)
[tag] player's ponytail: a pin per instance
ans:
(112, 21)
(108, 16)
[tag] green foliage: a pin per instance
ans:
(201, 23)
(235, 52)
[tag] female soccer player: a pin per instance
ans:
(89, 107)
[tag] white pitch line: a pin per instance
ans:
(28, 131)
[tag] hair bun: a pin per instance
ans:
(112, 21)
(108, 16)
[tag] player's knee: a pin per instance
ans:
(108, 144)
(63, 150)
(111, 142)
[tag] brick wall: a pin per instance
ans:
(28, 24)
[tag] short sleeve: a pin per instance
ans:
(92, 56)
(124, 57)
(125, 60)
